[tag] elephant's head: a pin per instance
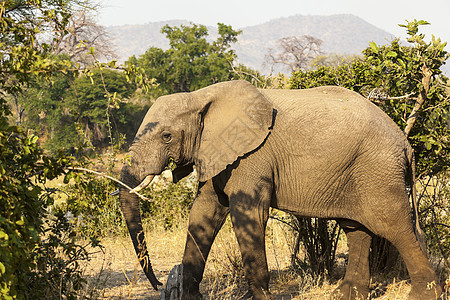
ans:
(209, 128)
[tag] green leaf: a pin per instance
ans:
(391, 54)
(112, 64)
(422, 22)
(3, 235)
(374, 47)
(67, 177)
(2, 268)
(34, 139)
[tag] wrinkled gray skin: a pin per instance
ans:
(324, 152)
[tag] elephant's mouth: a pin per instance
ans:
(145, 183)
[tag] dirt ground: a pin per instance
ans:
(115, 273)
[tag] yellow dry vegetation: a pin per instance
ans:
(116, 274)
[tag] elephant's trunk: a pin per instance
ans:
(130, 208)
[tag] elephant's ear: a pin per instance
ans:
(236, 119)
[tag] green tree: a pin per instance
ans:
(38, 252)
(68, 108)
(90, 109)
(191, 62)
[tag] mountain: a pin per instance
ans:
(343, 34)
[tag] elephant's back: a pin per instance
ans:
(336, 100)
(329, 109)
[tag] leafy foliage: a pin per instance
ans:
(169, 204)
(58, 269)
(68, 109)
(39, 255)
(191, 62)
(90, 207)
(88, 106)
(30, 237)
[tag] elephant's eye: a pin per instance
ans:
(166, 137)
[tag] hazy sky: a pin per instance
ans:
(385, 14)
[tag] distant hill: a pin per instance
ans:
(344, 34)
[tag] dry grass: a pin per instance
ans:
(116, 274)
(119, 273)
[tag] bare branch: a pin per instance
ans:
(427, 73)
(109, 177)
(295, 52)
(84, 34)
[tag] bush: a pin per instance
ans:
(319, 238)
(169, 204)
(91, 208)
(58, 260)
(434, 205)
(38, 252)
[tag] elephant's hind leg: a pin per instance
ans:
(393, 222)
(420, 271)
(207, 215)
(355, 284)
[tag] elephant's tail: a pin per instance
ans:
(411, 177)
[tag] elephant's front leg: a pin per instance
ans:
(249, 210)
(206, 217)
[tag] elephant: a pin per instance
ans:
(324, 152)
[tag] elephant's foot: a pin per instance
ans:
(426, 291)
(348, 290)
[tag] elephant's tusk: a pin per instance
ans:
(146, 182)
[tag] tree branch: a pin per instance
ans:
(109, 177)
(427, 73)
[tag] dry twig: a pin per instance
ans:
(111, 178)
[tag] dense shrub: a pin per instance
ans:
(87, 202)
(434, 200)
(169, 203)
(39, 256)
(58, 260)
(91, 208)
